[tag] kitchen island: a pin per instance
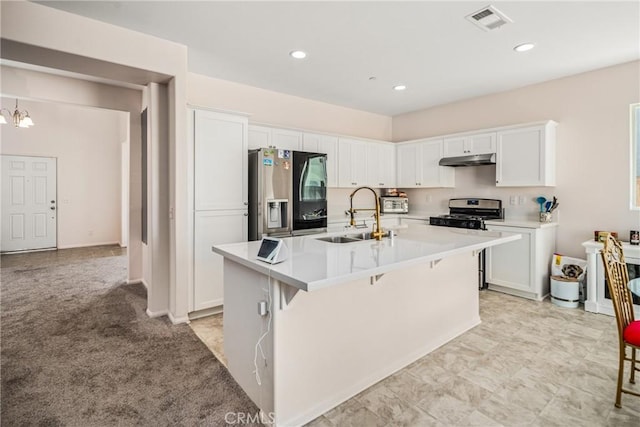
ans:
(342, 316)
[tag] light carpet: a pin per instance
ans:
(78, 349)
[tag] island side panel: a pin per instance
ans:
(333, 343)
(242, 327)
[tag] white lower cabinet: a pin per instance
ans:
(213, 228)
(522, 267)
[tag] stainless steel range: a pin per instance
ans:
(471, 213)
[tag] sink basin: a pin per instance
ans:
(361, 236)
(340, 239)
(349, 238)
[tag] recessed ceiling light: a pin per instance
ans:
(298, 54)
(399, 87)
(524, 47)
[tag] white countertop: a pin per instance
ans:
(523, 223)
(630, 251)
(313, 264)
(336, 220)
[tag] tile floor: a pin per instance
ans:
(528, 363)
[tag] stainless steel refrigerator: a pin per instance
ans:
(287, 193)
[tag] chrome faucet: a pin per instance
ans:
(377, 234)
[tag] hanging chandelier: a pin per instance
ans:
(20, 119)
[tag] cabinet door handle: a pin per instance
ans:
(246, 203)
(246, 214)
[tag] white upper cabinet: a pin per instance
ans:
(352, 163)
(526, 156)
(381, 165)
(220, 161)
(482, 143)
(407, 169)
(328, 145)
(263, 136)
(286, 139)
(259, 137)
(418, 165)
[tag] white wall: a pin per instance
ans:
(279, 109)
(55, 89)
(40, 35)
(593, 174)
(86, 143)
(155, 251)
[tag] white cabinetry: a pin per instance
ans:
(526, 156)
(381, 164)
(263, 136)
(521, 267)
(483, 143)
(352, 166)
(213, 227)
(220, 198)
(417, 165)
(286, 139)
(259, 137)
(328, 145)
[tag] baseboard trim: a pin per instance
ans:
(26, 251)
(87, 245)
(205, 312)
(154, 314)
(178, 320)
(136, 281)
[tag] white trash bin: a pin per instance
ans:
(565, 292)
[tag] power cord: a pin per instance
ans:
(262, 337)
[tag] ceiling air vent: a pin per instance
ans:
(488, 18)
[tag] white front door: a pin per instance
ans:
(28, 203)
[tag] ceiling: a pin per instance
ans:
(428, 46)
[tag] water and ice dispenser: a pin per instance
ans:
(277, 213)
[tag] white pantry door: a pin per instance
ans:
(28, 203)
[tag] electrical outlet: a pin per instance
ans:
(513, 200)
(429, 199)
(522, 200)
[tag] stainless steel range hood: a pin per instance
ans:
(471, 160)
